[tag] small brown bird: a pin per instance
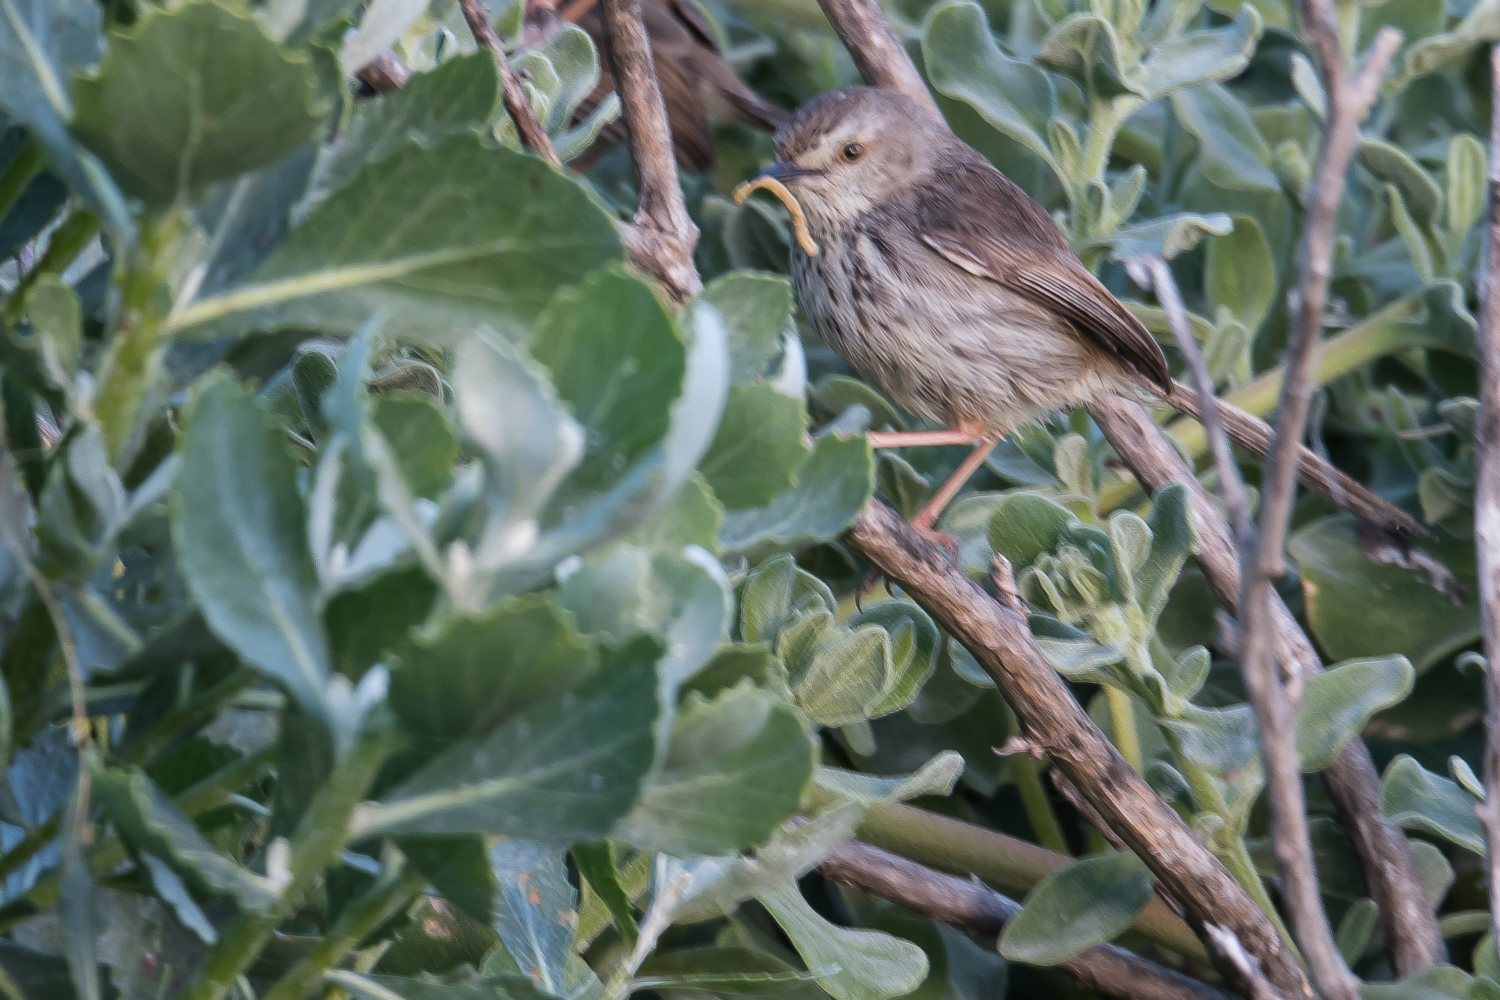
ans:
(697, 84)
(953, 292)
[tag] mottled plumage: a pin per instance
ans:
(938, 278)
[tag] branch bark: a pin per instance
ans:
(1348, 101)
(384, 74)
(1487, 503)
(1352, 781)
(876, 50)
(533, 136)
(1001, 641)
(662, 236)
(969, 905)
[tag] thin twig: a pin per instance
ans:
(1487, 502)
(512, 95)
(1353, 783)
(662, 236)
(1231, 486)
(971, 906)
(877, 50)
(1347, 103)
(1001, 641)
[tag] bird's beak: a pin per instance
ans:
(783, 171)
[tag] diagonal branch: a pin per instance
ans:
(662, 235)
(533, 136)
(1487, 501)
(1000, 639)
(1347, 104)
(971, 906)
(876, 49)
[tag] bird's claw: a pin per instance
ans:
(942, 539)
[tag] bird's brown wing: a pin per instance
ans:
(980, 221)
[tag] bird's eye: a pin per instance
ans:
(852, 152)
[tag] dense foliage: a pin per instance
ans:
(452, 617)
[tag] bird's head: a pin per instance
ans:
(848, 151)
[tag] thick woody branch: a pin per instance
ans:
(969, 905)
(876, 50)
(1487, 501)
(1347, 104)
(1000, 639)
(533, 136)
(1352, 781)
(662, 236)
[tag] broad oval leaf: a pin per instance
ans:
(239, 531)
(436, 267)
(871, 965)
(1337, 703)
(1073, 909)
(566, 769)
(1416, 799)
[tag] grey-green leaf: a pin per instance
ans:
(1336, 704)
(221, 98)
(756, 307)
(566, 769)
(1082, 905)
(1416, 799)
(872, 965)
(239, 531)
(759, 447)
(833, 486)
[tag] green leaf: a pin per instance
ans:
(380, 987)
(536, 912)
(58, 320)
(433, 265)
(626, 591)
(756, 308)
(1025, 525)
(776, 596)
(238, 528)
(367, 622)
(1232, 154)
(963, 62)
(565, 769)
(596, 864)
(1167, 237)
(1396, 167)
(692, 517)
(471, 673)
(1071, 910)
(1173, 538)
(458, 868)
(1086, 47)
(1416, 799)
(759, 446)
(872, 965)
(726, 970)
(936, 777)
(1356, 929)
(1467, 166)
(151, 823)
(1441, 982)
(221, 98)
(846, 674)
(616, 359)
(736, 769)
(1337, 703)
(1359, 608)
(461, 95)
(423, 437)
(913, 641)
(833, 486)
(1413, 236)
(1197, 57)
(42, 42)
(1240, 273)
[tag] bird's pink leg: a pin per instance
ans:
(919, 439)
(934, 508)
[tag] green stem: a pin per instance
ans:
(318, 839)
(1122, 722)
(1027, 773)
(132, 365)
(1395, 328)
(1008, 863)
(360, 919)
(1106, 118)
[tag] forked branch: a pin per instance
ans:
(512, 94)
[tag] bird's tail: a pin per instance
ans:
(1253, 433)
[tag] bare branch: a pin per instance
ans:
(1352, 781)
(1347, 105)
(969, 905)
(533, 136)
(1487, 501)
(1001, 641)
(662, 236)
(876, 50)
(1158, 276)
(384, 74)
